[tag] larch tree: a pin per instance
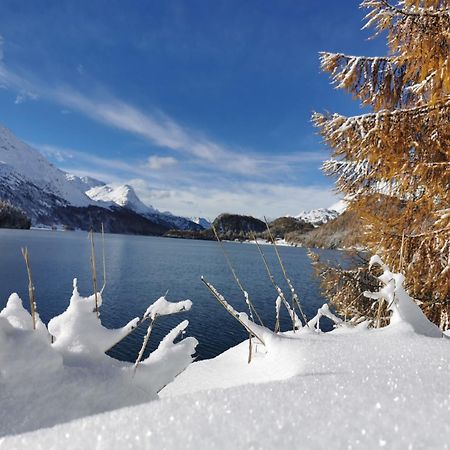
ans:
(393, 164)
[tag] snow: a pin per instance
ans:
(60, 374)
(28, 163)
(120, 195)
(38, 187)
(353, 387)
(318, 216)
(123, 195)
(162, 307)
(84, 183)
(204, 223)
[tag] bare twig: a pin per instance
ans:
(230, 309)
(251, 307)
(31, 292)
(275, 285)
(144, 343)
(295, 301)
(104, 260)
(94, 271)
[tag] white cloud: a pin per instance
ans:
(213, 178)
(159, 129)
(257, 199)
(161, 162)
(23, 96)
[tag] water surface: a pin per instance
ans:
(142, 268)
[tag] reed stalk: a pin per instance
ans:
(294, 300)
(248, 301)
(94, 272)
(104, 260)
(144, 343)
(31, 290)
(275, 285)
(230, 310)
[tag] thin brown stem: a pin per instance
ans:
(31, 291)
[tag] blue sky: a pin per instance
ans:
(203, 106)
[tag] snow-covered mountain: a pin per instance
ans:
(204, 223)
(125, 196)
(50, 196)
(83, 183)
(319, 216)
(22, 161)
(121, 195)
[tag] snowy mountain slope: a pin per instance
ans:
(32, 166)
(28, 196)
(50, 196)
(125, 196)
(121, 195)
(83, 183)
(204, 223)
(319, 216)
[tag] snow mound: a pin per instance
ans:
(56, 375)
(404, 309)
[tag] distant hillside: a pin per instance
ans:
(12, 217)
(239, 227)
(341, 232)
(284, 225)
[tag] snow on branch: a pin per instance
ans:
(404, 308)
(413, 141)
(162, 307)
(377, 81)
(417, 32)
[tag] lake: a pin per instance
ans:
(142, 268)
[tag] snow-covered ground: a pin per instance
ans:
(353, 387)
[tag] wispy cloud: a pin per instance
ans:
(158, 129)
(161, 162)
(258, 199)
(206, 176)
(23, 96)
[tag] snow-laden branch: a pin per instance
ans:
(404, 308)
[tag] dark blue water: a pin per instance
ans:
(140, 269)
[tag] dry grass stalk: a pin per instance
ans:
(144, 343)
(31, 291)
(251, 306)
(277, 288)
(104, 260)
(229, 309)
(294, 298)
(94, 271)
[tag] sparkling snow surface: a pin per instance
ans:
(386, 388)
(350, 388)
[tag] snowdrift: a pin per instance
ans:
(353, 387)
